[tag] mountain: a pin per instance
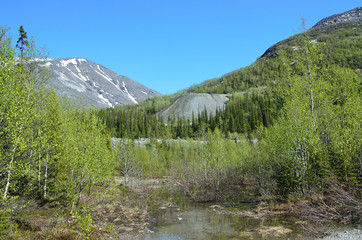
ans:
(349, 16)
(250, 103)
(340, 39)
(351, 19)
(85, 81)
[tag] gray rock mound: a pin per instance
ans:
(195, 103)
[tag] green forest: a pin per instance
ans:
(50, 150)
(243, 114)
(290, 132)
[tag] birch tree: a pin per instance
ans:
(16, 115)
(301, 143)
(127, 160)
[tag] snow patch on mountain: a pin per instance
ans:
(85, 81)
(47, 64)
(77, 68)
(65, 63)
(103, 74)
(129, 95)
(105, 100)
(75, 75)
(71, 84)
(82, 77)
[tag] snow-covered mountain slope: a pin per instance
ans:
(84, 81)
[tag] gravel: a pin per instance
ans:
(353, 234)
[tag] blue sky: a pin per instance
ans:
(167, 45)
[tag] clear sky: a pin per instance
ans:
(167, 45)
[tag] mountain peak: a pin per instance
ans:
(351, 15)
(85, 81)
(332, 22)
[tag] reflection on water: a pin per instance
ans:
(191, 220)
(194, 223)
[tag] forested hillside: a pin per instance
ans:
(243, 114)
(295, 114)
(338, 45)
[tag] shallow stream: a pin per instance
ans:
(200, 222)
(180, 218)
(183, 219)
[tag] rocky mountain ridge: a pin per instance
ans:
(328, 24)
(349, 16)
(93, 84)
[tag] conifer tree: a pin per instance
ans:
(22, 41)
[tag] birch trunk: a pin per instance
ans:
(310, 86)
(9, 174)
(46, 173)
(39, 173)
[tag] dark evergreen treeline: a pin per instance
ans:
(243, 114)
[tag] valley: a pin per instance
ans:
(271, 150)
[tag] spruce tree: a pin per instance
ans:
(22, 41)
